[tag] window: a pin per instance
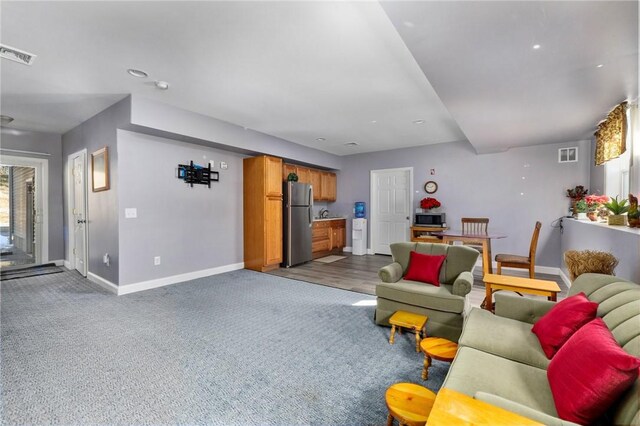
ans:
(618, 172)
(568, 155)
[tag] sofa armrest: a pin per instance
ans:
(520, 308)
(391, 273)
(462, 285)
(523, 410)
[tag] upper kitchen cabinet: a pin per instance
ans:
(324, 183)
(262, 198)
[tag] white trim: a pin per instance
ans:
(67, 264)
(174, 279)
(347, 249)
(41, 166)
(108, 285)
(370, 251)
(538, 269)
(59, 262)
(565, 278)
(70, 218)
(373, 199)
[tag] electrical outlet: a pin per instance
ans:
(223, 165)
(106, 260)
(156, 260)
(130, 213)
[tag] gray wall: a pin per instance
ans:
(170, 119)
(49, 143)
(596, 181)
(622, 242)
(488, 185)
(102, 214)
(191, 229)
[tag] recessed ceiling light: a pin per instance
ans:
(599, 65)
(374, 121)
(162, 85)
(536, 46)
(5, 119)
(137, 73)
(320, 139)
(351, 144)
(418, 121)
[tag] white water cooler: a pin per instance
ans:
(359, 236)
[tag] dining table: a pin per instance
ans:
(449, 236)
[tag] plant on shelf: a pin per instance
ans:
(634, 214)
(617, 209)
(581, 209)
(429, 203)
(292, 177)
(594, 204)
(577, 193)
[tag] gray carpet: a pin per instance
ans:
(237, 348)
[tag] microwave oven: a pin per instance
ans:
(431, 219)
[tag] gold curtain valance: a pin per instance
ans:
(611, 135)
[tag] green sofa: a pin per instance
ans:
(501, 361)
(444, 305)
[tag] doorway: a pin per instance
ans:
(23, 212)
(77, 212)
(391, 201)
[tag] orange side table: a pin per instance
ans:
(409, 403)
(436, 348)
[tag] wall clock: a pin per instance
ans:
(430, 187)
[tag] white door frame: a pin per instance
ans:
(70, 262)
(41, 166)
(374, 200)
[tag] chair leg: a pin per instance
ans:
(499, 268)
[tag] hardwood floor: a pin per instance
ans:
(360, 274)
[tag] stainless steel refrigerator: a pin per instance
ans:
(298, 218)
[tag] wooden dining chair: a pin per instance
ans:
(522, 262)
(474, 225)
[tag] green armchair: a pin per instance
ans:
(445, 305)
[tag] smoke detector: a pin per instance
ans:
(16, 55)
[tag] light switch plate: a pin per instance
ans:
(223, 165)
(130, 213)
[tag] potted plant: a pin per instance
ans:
(617, 209)
(594, 203)
(633, 215)
(581, 209)
(576, 194)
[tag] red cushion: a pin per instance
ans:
(424, 268)
(557, 325)
(589, 373)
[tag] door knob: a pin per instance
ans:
(408, 218)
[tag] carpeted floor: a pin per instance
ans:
(237, 348)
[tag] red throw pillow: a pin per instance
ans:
(589, 373)
(424, 268)
(567, 316)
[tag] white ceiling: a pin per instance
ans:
(304, 70)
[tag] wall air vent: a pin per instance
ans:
(16, 55)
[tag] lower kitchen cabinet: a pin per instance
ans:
(328, 237)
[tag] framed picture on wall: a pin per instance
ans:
(100, 170)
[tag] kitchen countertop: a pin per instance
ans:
(317, 219)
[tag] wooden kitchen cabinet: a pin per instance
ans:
(328, 237)
(325, 184)
(262, 198)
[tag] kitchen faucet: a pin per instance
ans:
(324, 213)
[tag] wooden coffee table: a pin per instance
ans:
(436, 348)
(493, 283)
(409, 403)
(408, 320)
(453, 408)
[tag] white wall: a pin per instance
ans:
(191, 229)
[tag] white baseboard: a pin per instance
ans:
(106, 284)
(565, 278)
(59, 262)
(539, 269)
(174, 279)
(67, 264)
(370, 251)
(347, 249)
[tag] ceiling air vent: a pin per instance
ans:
(16, 55)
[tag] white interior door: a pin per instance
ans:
(79, 213)
(391, 199)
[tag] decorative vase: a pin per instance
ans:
(617, 219)
(593, 216)
(582, 216)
